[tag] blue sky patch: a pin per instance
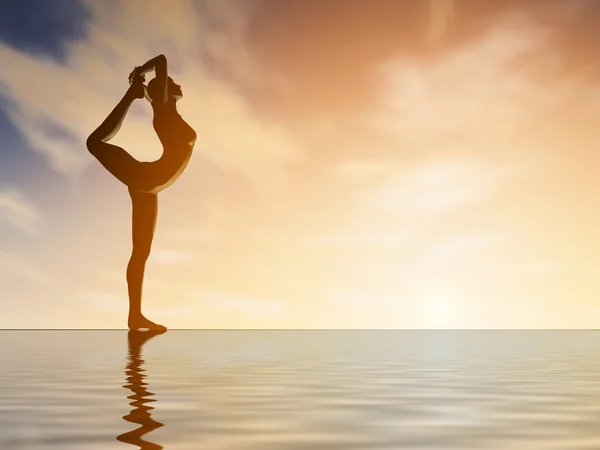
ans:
(42, 26)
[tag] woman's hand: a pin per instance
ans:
(137, 72)
(136, 81)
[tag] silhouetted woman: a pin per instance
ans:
(145, 179)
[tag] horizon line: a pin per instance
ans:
(310, 329)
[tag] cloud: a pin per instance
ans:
(459, 126)
(358, 239)
(461, 247)
(360, 170)
(12, 266)
(172, 256)
(186, 235)
(442, 12)
(485, 84)
(51, 106)
(238, 304)
(18, 212)
(430, 187)
(437, 188)
(104, 300)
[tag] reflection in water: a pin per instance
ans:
(140, 414)
(301, 390)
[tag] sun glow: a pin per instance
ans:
(439, 311)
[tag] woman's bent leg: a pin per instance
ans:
(117, 161)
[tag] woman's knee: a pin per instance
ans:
(93, 144)
(140, 255)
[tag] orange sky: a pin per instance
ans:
(407, 165)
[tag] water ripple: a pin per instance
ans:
(300, 390)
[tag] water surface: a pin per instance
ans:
(300, 390)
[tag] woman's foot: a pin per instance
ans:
(137, 339)
(141, 323)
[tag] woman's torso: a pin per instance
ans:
(178, 140)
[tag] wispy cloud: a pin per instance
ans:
(168, 256)
(18, 212)
(365, 239)
(245, 306)
(439, 187)
(481, 85)
(12, 265)
(441, 16)
(428, 187)
(105, 301)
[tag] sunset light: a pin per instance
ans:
(390, 167)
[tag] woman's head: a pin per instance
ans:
(154, 89)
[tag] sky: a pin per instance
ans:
(381, 164)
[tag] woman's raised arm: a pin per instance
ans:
(159, 65)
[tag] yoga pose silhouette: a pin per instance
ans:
(145, 179)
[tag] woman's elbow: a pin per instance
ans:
(92, 143)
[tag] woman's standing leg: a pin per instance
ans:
(145, 209)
